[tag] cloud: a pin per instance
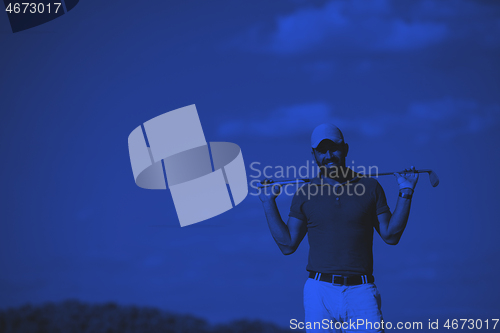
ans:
(475, 22)
(283, 121)
(346, 23)
(375, 26)
(442, 119)
(409, 36)
(448, 118)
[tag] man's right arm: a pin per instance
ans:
(287, 236)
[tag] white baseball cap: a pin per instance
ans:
(326, 131)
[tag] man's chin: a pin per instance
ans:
(332, 165)
(331, 168)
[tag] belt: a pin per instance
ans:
(341, 279)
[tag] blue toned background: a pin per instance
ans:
(410, 83)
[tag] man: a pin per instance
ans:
(339, 210)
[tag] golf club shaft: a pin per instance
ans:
(306, 180)
(391, 173)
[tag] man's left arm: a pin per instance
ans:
(391, 226)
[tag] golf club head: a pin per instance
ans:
(433, 178)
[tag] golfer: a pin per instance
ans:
(339, 209)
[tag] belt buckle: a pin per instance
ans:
(344, 282)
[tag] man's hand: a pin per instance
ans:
(269, 193)
(407, 179)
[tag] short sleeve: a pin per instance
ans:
(382, 206)
(296, 207)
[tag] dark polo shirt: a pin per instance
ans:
(340, 222)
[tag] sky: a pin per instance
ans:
(408, 82)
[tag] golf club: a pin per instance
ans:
(433, 178)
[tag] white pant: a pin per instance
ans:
(344, 308)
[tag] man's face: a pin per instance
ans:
(330, 155)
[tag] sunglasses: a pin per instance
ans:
(323, 148)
